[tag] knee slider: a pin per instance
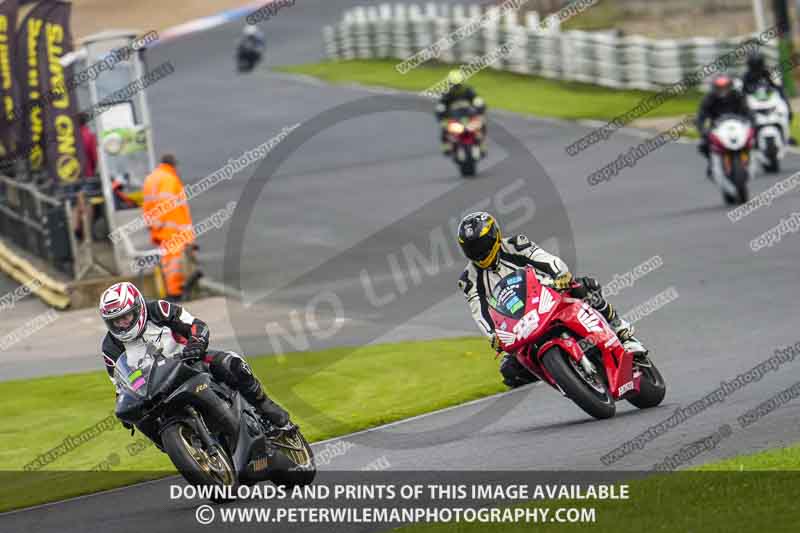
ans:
(223, 369)
(240, 370)
(510, 367)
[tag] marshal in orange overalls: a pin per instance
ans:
(167, 213)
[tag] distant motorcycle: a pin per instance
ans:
(211, 434)
(465, 133)
(247, 59)
(771, 116)
(569, 345)
(731, 139)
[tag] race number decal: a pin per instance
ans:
(526, 325)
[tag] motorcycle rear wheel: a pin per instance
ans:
(771, 152)
(294, 446)
(197, 465)
(586, 395)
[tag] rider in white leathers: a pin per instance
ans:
(492, 258)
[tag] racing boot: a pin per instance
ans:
(234, 371)
(271, 411)
(514, 374)
(624, 331)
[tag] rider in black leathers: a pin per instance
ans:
(131, 320)
(251, 46)
(458, 96)
(758, 74)
(723, 99)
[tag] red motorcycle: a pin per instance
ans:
(465, 134)
(565, 342)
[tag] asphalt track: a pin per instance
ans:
(734, 306)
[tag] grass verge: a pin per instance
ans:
(356, 389)
(503, 90)
(530, 95)
(329, 393)
(743, 494)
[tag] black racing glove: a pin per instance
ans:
(197, 342)
(195, 349)
(495, 342)
(590, 283)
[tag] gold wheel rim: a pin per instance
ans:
(215, 466)
(294, 448)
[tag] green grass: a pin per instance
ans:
(503, 90)
(519, 93)
(603, 16)
(329, 393)
(779, 459)
(744, 494)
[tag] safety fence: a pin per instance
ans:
(36, 223)
(540, 48)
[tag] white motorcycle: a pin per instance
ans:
(771, 116)
(731, 139)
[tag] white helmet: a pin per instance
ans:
(124, 311)
(252, 30)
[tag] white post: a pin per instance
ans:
(758, 12)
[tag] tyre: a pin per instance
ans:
(652, 388)
(302, 470)
(588, 392)
(197, 465)
(467, 167)
(771, 152)
(739, 178)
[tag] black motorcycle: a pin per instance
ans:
(247, 59)
(211, 434)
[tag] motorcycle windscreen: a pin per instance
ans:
(133, 373)
(463, 114)
(508, 296)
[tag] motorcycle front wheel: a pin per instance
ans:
(196, 464)
(466, 165)
(740, 177)
(652, 387)
(771, 152)
(589, 392)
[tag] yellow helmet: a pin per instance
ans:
(479, 237)
(455, 77)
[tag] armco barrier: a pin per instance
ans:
(601, 58)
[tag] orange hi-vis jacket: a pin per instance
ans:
(165, 207)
